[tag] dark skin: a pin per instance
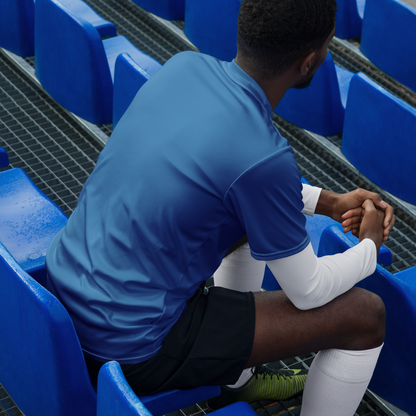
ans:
(354, 320)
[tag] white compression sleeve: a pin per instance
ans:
(239, 271)
(310, 196)
(337, 381)
(310, 282)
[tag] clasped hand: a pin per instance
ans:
(362, 212)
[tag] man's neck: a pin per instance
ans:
(274, 88)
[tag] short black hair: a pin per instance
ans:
(273, 34)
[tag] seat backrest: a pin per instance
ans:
(41, 363)
(349, 19)
(168, 9)
(83, 10)
(114, 395)
(28, 221)
(393, 377)
(379, 137)
(212, 26)
(17, 19)
(71, 62)
(319, 107)
(388, 38)
(129, 77)
(4, 158)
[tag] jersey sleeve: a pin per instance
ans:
(267, 199)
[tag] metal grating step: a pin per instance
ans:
(41, 138)
(7, 405)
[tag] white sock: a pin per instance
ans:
(239, 271)
(337, 381)
(244, 377)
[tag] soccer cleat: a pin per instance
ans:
(266, 384)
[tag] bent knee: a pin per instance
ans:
(372, 315)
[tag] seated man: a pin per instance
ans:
(195, 164)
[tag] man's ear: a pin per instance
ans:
(306, 63)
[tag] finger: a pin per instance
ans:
(352, 221)
(379, 203)
(368, 205)
(389, 217)
(354, 229)
(356, 212)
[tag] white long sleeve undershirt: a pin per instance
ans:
(310, 196)
(310, 281)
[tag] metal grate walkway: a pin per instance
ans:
(43, 140)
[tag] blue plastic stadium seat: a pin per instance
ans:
(129, 77)
(349, 19)
(28, 221)
(393, 378)
(168, 9)
(82, 9)
(73, 63)
(315, 226)
(212, 26)
(378, 137)
(388, 38)
(41, 363)
(319, 108)
(115, 397)
(17, 19)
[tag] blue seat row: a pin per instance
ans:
(78, 68)
(17, 24)
(74, 64)
(377, 127)
(388, 33)
(378, 137)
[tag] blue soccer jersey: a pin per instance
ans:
(193, 165)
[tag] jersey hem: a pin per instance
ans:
(282, 254)
(135, 360)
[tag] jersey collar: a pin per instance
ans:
(241, 77)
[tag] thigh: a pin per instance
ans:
(354, 320)
(209, 345)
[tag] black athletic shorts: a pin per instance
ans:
(209, 345)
